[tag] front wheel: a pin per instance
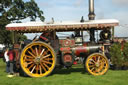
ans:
(38, 59)
(97, 64)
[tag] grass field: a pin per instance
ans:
(74, 76)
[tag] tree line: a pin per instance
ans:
(15, 11)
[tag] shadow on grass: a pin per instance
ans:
(68, 71)
(63, 71)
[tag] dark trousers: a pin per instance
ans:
(8, 67)
(11, 67)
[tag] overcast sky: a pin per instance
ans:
(70, 10)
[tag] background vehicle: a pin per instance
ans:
(39, 57)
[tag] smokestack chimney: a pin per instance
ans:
(91, 16)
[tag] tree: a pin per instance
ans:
(15, 11)
(21, 37)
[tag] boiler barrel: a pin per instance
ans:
(80, 50)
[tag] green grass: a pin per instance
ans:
(74, 76)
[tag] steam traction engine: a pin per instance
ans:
(39, 57)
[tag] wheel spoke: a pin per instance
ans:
(92, 69)
(36, 52)
(25, 64)
(37, 68)
(48, 59)
(100, 69)
(98, 59)
(103, 63)
(42, 52)
(32, 51)
(46, 56)
(46, 66)
(46, 62)
(43, 67)
(97, 70)
(91, 65)
(30, 66)
(28, 59)
(29, 63)
(92, 60)
(40, 69)
(103, 60)
(33, 69)
(45, 52)
(31, 54)
(39, 49)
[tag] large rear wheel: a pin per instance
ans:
(97, 64)
(38, 59)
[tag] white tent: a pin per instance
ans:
(1, 46)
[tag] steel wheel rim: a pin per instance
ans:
(97, 64)
(38, 59)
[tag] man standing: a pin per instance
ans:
(7, 61)
(11, 60)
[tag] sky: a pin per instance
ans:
(72, 10)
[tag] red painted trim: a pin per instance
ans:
(65, 49)
(15, 28)
(81, 49)
(43, 38)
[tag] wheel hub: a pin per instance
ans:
(97, 64)
(37, 60)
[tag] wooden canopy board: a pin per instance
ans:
(35, 27)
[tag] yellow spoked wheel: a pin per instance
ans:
(97, 64)
(38, 59)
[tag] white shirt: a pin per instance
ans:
(6, 56)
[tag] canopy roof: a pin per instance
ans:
(33, 27)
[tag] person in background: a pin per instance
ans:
(7, 61)
(11, 60)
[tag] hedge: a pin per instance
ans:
(119, 55)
